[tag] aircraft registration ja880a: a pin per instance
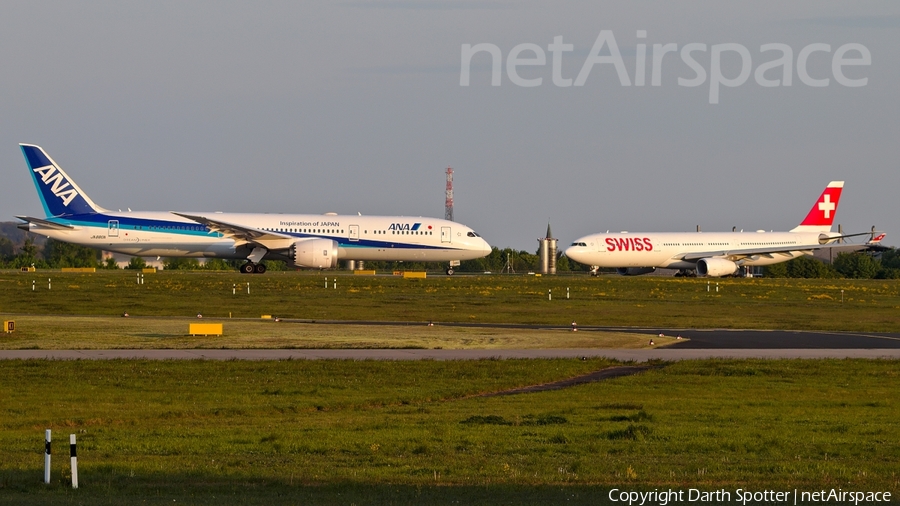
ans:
(716, 253)
(301, 240)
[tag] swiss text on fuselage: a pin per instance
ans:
(628, 244)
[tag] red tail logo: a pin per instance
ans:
(822, 213)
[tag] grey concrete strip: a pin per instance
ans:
(643, 355)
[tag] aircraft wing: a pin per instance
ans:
(46, 223)
(738, 254)
(242, 235)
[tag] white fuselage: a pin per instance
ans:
(668, 250)
(389, 238)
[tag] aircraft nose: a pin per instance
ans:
(485, 247)
(573, 252)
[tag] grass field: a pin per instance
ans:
(381, 432)
(868, 305)
(107, 332)
(371, 432)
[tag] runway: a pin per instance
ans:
(698, 338)
(777, 339)
(699, 344)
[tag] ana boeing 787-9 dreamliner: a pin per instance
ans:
(711, 254)
(301, 240)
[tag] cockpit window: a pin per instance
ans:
(579, 244)
(472, 234)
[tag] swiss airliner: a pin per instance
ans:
(301, 240)
(711, 254)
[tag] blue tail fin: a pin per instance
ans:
(59, 194)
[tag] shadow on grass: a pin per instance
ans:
(602, 374)
(26, 487)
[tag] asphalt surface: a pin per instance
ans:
(698, 338)
(699, 344)
(720, 339)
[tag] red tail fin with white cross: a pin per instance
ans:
(821, 216)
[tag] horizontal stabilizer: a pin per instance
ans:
(46, 223)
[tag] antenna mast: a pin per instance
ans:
(448, 203)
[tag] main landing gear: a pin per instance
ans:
(450, 271)
(252, 268)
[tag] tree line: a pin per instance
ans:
(58, 254)
(845, 265)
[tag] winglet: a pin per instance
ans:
(877, 239)
(59, 195)
(821, 216)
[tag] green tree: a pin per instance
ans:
(110, 263)
(801, 267)
(474, 265)
(890, 259)
(857, 265)
(181, 264)
(7, 249)
(275, 265)
(28, 256)
(579, 267)
(65, 254)
(217, 264)
(809, 267)
(136, 263)
(890, 264)
(562, 264)
(525, 261)
(888, 273)
(779, 270)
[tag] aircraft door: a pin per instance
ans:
(354, 232)
(113, 228)
(445, 234)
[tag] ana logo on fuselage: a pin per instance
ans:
(629, 244)
(57, 183)
(404, 226)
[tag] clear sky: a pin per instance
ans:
(357, 106)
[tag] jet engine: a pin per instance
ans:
(634, 271)
(315, 253)
(716, 267)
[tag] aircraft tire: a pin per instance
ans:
(450, 272)
(259, 269)
(248, 268)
